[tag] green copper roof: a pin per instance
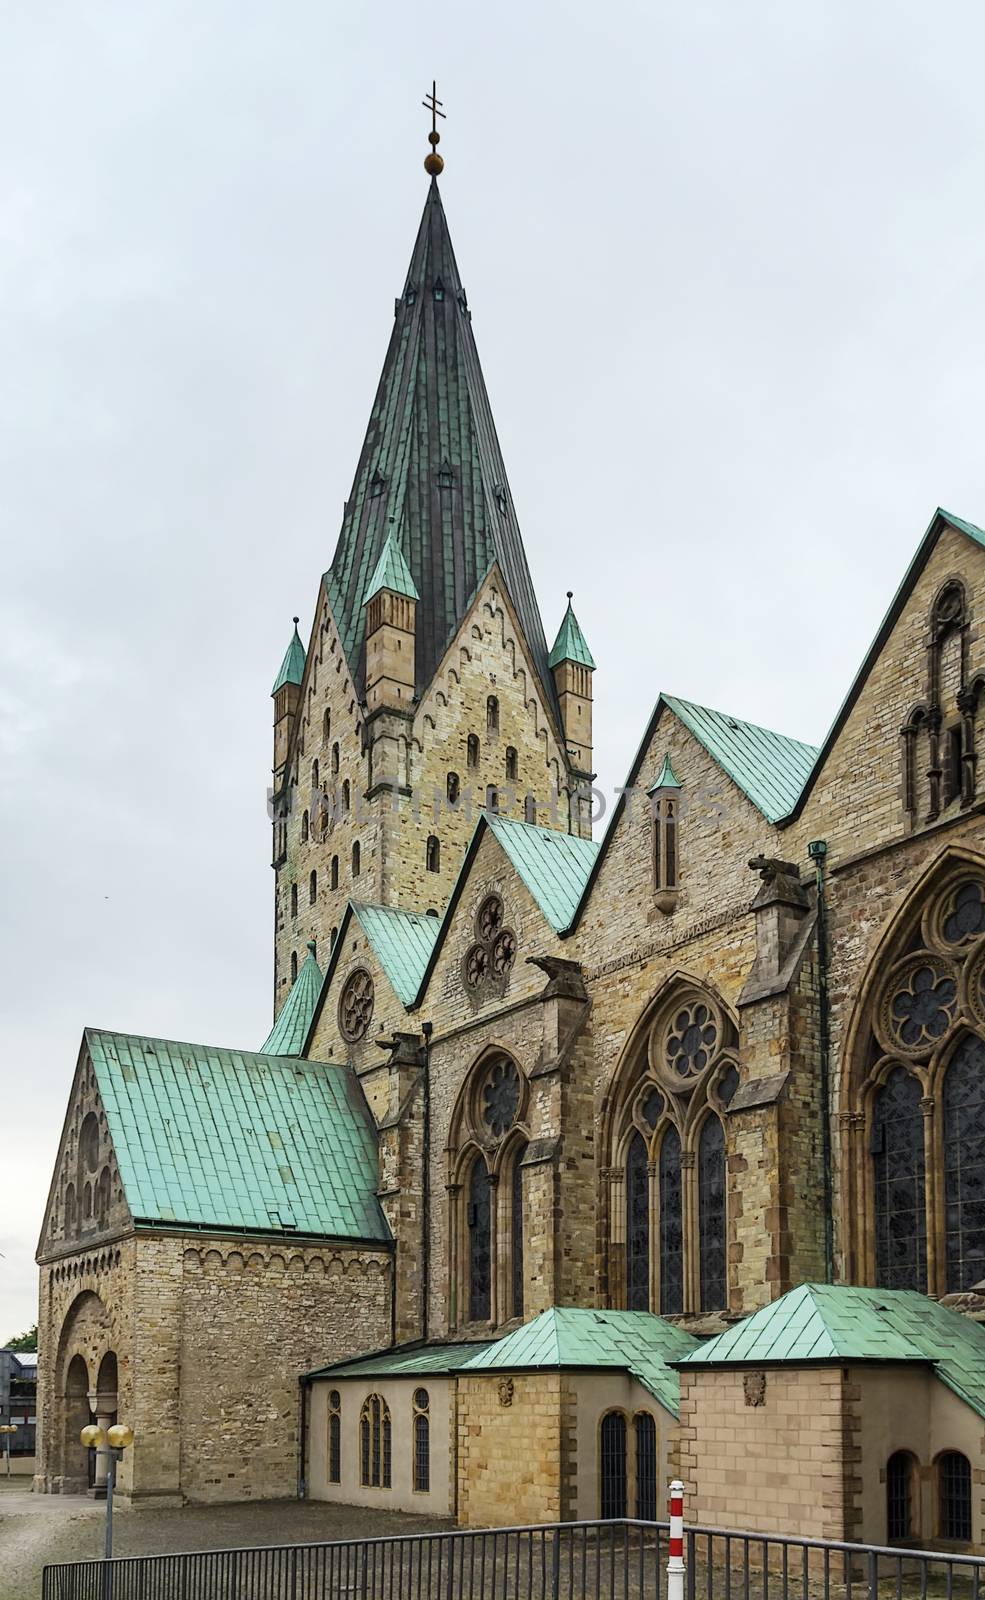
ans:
(570, 643)
(768, 767)
(230, 1139)
(431, 473)
(392, 572)
(406, 1361)
(837, 1322)
(403, 941)
(963, 527)
(287, 1036)
(553, 865)
(292, 666)
(666, 778)
(569, 1336)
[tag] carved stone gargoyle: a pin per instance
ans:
(564, 977)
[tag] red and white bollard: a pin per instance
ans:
(675, 1564)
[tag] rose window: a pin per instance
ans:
(490, 918)
(691, 1041)
(356, 1006)
(965, 916)
(504, 952)
(501, 1097)
(476, 965)
(921, 1005)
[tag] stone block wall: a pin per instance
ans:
(509, 1449)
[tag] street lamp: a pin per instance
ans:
(113, 1442)
(7, 1428)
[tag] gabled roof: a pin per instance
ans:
(287, 1036)
(938, 522)
(403, 941)
(392, 572)
(838, 1322)
(431, 472)
(292, 666)
(640, 1343)
(406, 1361)
(768, 767)
(553, 865)
(570, 643)
(238, 1141)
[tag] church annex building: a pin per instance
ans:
(566, 1164)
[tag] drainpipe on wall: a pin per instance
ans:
(427, 1028)
(817, 850)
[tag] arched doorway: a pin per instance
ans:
(75, 1462)
(105, 1408)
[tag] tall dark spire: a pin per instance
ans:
(431, 473)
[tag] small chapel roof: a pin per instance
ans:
(287, 1036)
(405, 1361)
(553, 865)
(403, 941)
(292, 666)
(827, 1322)
(770, 768)
(236, 1140)
(639, 1342)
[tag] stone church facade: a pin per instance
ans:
(542, 1121)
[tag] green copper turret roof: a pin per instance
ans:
(570, 643)
(392, 572)
(666, 778)
(432, 474)
(287, 1036)
(292, 666)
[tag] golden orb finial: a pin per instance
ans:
(433, 163)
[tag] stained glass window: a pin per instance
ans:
(613, 1474)
(637, 1226)
(422, 1453)
(375, 1443)
(711, 1215)
(646, 1467)
(671, 1226)
(500, 1096)
(517, 1230)
(954, 1484)
(691, 1041)
(334, 1437)
(479, 1243)
(964, 1165)
(966, 914)
(898, 1175)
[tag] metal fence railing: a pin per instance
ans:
(618, 1560)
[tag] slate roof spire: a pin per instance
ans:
(431, 473)
(392, 572)
(570, 643)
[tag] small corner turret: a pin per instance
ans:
(572, 664)
(285, 694)
(391, 609)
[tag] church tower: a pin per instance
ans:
(426, 693)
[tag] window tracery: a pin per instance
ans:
(356, 1005)
(917, 1096)
(939, 736)
(667, 1141)
(494, 951)
(488, 1142)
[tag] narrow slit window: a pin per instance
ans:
(473, 750)
(312, 888)
(492, 714)
(355, 859)
(434, 853)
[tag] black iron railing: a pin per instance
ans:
(618, 1560)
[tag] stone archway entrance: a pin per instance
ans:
(75, 1463)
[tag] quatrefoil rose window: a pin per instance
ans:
(919, 1003)
(356, 1006)
(494, 951)
(964, 914)
(691, 1041)
(499, 1097)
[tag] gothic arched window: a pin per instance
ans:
(711, 1214)
(375, 1443)
(666, 1129)
(422, 1442)
(487, 1147)
(480, 1243)
(637, 1225)
(646, 1466)
(334, 1436)
(913, 1103)
(964, 1165)
(898, 1176)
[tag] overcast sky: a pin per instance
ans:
(725, 263)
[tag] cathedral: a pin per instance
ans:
(567, 1163)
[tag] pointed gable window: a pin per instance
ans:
(446, 477)
(410, 296)
(377, 484)
(500, 494)
(439, 289)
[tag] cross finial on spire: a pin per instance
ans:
(433, 162)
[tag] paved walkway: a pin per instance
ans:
(36, 1530)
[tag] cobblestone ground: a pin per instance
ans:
(38, 1529)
